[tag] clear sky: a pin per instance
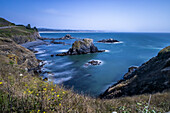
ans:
(113, 15)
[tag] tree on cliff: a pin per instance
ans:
(28, 26)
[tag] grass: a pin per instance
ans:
(21, 92)
(165, 50)
(18, 34)
(4, 22)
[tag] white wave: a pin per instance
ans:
(62, 50)
(39, 51)
(107, 51)
(45, 69)
(44, 55)
(151, 47)
(120, 42)
(65, 64)
(64, 72)
(112, 43)
(61, 80)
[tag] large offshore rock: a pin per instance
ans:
(83, 46)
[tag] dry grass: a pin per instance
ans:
(21, 92)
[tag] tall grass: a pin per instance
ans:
(22, 92)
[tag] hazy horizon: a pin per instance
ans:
(110, 15)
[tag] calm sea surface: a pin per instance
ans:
(134, 49)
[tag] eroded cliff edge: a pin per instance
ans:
(151, 77)
(14, 54)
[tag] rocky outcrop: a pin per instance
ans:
(93, 62)
(54, 42)
(151, 77)
(83, 46)
(18, 55)
(108, 40)
(68, 36)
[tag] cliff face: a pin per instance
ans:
(14, 54)
(151, 77)
(19, 34)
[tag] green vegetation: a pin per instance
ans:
(28, 26)
(4, 22)
(19, 34)
(165, 50)
(21, 92)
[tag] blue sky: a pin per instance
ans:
(112, 15)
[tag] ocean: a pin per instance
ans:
(133, 50)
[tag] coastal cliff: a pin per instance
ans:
(151, 77)
(22, 91)
(18, 33)
(15, 54)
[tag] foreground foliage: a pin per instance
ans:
(21, 92)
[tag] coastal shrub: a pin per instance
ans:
(21, 92)
(28, 26)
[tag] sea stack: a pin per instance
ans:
(108, 40)
(82, 46)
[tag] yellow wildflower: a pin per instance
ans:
(37, 94)
(0, 82)
(38, 111)
(45, 89)
(60, 104)
(58, 95)
(24, 92)
(63, 92)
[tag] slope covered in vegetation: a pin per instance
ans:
(18, 33)
(22, 91)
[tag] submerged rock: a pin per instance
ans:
(108, 40)
(83, 46)
(53, 41)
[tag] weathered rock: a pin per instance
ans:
(45, 79)
(83, 46)
(151, 77)
(130, 70)
(53, 41)
(108, 40)
(68, 36)
(93, 62)
(18, 54)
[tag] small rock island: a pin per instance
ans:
(108, 40)
(82, 46)
(93, 62)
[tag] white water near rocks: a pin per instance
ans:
(134, 49)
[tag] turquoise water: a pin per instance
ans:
(134, 49)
